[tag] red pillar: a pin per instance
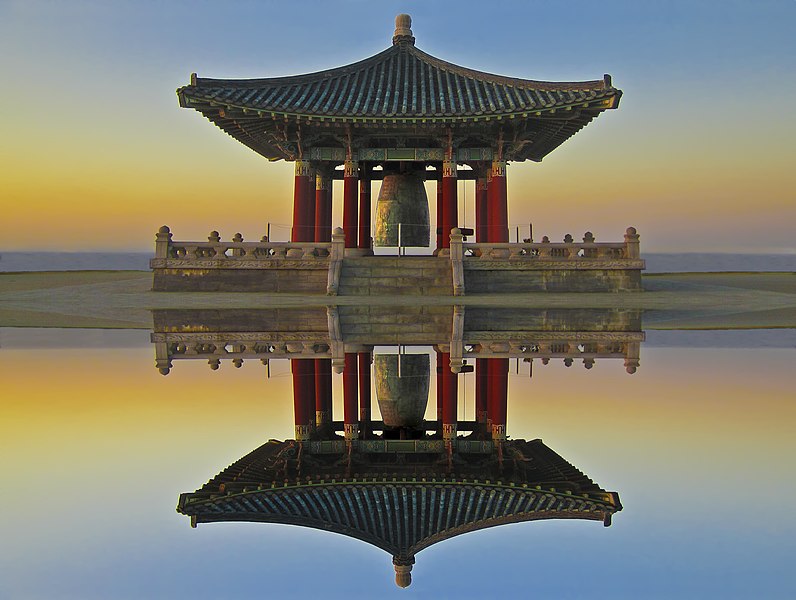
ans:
(481, 210)
(498, 396)
(350, 193)
(498, 204)
(350, 416)
(323, 392)
(323, 206)
(303, 372)
(302, 230)
(439, 213)
(364, 389)
(450, 205)
(364, 211)
(309, 206)
(481, 389)
(450, 395)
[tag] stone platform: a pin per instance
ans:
(330, 268)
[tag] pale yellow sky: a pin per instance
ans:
(96, 154)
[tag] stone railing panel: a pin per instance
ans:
(235, 254)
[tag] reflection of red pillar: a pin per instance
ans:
(498, 204)
(302, 189)
(350, 416)
(323, 207)
(481, 210)
(364, 211)
(450, 389)
(364, 388)
(481, 389)
(450, 205)
(323, 392)
(498, 396)
(440, 366)
(350, 193)
(303, 371)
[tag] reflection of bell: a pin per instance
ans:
(402, 400)
(402, 199)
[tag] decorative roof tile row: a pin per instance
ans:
(400, 518)
(401, 515)
(401, 82)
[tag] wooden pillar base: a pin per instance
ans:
(351, 431)
(450, 203)
(449, 431)
(302, 433)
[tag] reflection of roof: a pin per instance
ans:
(401, 513)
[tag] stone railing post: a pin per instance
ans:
(588, 238)
(569, 252)
(632, 249)
(457, 338)
(162, 358)
(335, 262)
(336, 345)
(238, 238)
(545, 252)
(162, 243)
(457, 258)
(632, 354)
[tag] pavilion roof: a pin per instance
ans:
(401, 514)
(403, 92)
(401, 82)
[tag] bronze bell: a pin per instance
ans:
(402, 399)
(402, 199)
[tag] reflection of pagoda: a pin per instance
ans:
(402, 482)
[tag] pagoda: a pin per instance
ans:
(403, 117)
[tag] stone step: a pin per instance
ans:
(396, 260)
(366, 290)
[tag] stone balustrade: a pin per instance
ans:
(233, 254)
(319, 267)
(568, 266)
(588, 249)
(240, 266)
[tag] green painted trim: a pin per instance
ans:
(608, 103)
(476, 483)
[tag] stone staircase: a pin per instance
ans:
(396, 276)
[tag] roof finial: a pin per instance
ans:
(403, 30)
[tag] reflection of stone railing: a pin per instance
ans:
(235, 346)
(568, 250)
(239, 346)
(235, 254)
(569, 346)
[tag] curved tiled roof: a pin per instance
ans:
(404, 94)
(400, 82)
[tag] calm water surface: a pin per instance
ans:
(98, 446)
(139, 261)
